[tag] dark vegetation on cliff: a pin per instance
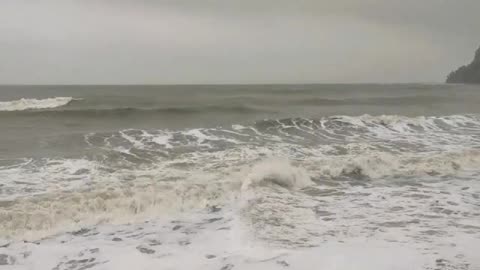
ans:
(467, 74)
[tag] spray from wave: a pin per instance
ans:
(34, 104)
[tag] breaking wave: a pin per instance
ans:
(136, 174)
(47, 214)
(278, 172)
(151, 196)
(124, 196)
(34, 104)
(384, 165)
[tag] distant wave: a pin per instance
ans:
(122, 111)
(375, 124)
(406, 100)
(34, 104)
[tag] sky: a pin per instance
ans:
(235, 41)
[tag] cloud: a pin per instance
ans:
(146, 41)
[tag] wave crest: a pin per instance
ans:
(43, 215)
(276, 172)
(34, 104)
(378, 165)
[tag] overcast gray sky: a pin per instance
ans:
(234, 41)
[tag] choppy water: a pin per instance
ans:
(240, 177)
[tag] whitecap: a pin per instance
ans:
(34, 104)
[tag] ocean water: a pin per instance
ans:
(240, 177)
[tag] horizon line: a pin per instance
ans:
(224, 84)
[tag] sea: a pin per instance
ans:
(227, 177)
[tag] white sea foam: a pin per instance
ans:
(256, 197)
(276, 171)
(102, 198)
(285, 229)
(378, 164)
(58, 195)
(34, 104)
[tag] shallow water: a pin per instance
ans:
(240, 177)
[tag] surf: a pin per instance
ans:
(34, 104)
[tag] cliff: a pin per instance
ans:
(467, 74)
